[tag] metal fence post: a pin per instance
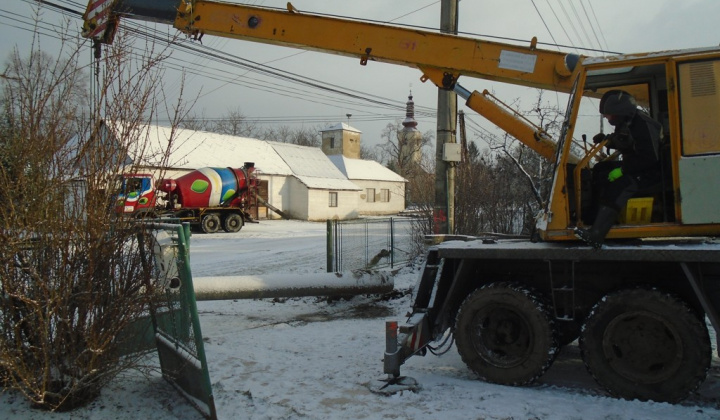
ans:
(329, 246)
(374, 243)
(392, 243)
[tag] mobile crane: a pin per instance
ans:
(638, 305)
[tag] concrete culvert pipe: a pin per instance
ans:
(291, 285)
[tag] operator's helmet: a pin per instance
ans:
(618, 103)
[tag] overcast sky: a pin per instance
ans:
(610, 25)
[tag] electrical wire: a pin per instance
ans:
(597, 23)
(414, 11)
(552, 9)
(331, 94)
(543, 21)
(579, 22)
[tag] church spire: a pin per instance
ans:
(409, 121)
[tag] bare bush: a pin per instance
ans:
(71, 274)
(502, 188)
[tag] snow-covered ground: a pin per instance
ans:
(307, 358)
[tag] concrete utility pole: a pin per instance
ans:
(443, 220)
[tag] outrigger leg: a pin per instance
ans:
(393, 383)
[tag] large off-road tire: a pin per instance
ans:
(647, 345)
(233, 222)
(210, 223)
(505, 334)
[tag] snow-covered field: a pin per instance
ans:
(307, 358)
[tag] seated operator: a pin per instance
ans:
(637, 138)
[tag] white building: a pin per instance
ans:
(301, 181)
(383, 191)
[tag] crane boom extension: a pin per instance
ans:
(442, 58)
(450, 54)
(453, 55)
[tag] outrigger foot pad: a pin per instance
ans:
(392, 385)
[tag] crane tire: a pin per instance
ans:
(210, 223)
(646, 344)
(505, 334)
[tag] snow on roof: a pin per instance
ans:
(635, 56)
(364, 169)
(197, 149)
(312, 167)
(341, 126)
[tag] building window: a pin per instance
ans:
(333, 199)
(370, 192)
(332, 142)
(384, 195)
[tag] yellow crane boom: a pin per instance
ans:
(672, 85)
(442, 58)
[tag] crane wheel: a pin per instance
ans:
(210, 223)
(232, 223)
(505, 334)
(647, 345)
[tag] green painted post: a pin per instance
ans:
(189, 299)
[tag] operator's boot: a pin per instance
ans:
(595, 236)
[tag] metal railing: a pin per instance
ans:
(369, 243)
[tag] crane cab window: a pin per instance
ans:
(699, 84)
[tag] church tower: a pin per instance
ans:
(409, 140)
(341, 139)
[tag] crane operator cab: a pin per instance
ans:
(678, 98)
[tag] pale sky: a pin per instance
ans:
(613, 25)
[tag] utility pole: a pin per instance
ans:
(443, 220)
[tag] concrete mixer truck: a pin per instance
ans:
(208, 198)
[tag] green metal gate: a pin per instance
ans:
(175, 321)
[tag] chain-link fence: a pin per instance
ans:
(370, 243)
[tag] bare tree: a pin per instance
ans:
(369, 153)
(71, 274)
(402, 156)
(502, 189)
(195, 123)
(302, 136)
(234, 123)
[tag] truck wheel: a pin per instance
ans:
(210, 223)
(233, 223)
(146, 215)
(505, 334)
(647, 345)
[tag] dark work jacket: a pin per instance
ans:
(638, 140)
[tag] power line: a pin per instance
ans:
(582, 27)
(543, 21)
(597, 23)
(326, 94)
(299, 94)
(414, 11)
(552, 9)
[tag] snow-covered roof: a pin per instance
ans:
(197, 149)
(312, 167)
(364, 169)
(192, 149)
(341, 126)
(634, 56)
